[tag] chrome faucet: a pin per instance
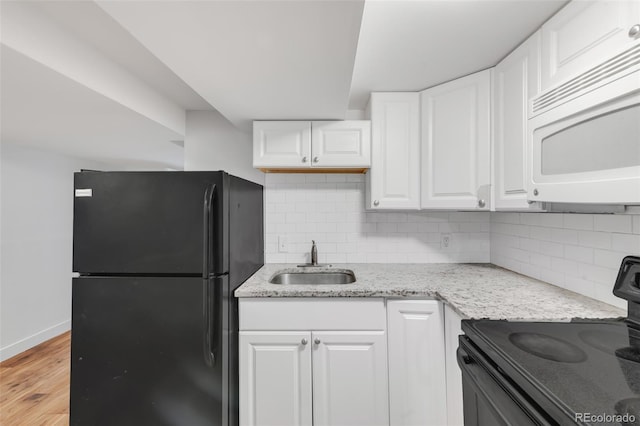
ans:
(314, 254)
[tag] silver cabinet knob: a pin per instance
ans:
(376, 203)
(481, 203)
(316, 341)
(304, 159)
(634, 32)
(304, 342)
(315, 159)
(535, 191)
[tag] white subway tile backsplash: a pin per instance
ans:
(607, 258)
(628, 243)
(578, 221)
(612, 223)
(329, 208)
(581, 252)
(565, 236)
(553, 220)
(594, 239)
(636, 224)
(578, 253)
(540, 233)
(551, 248)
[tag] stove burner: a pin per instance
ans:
(631, 408)
(629, 354)
(628, 358)
(603, 341)
(548, 347)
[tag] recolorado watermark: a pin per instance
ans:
(604, 418)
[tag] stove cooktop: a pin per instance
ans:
(574, 368)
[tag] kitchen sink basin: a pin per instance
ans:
(338, 276)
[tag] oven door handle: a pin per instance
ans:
(497, 389)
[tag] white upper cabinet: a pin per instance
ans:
(584, 34)
(394, 179)
(515, 80)
(341, 143)
(306, 144)
(281, 143)
(455, 144)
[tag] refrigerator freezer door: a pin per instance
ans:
(141, 348)
(141, 223)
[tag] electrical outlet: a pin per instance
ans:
(283, 246)
(445, 240)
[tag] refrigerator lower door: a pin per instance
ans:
(148, 351)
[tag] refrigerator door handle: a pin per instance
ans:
(207, 249)
(211, 317)
(211, 322)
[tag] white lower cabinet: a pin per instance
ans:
(452, 329)
(417, 381)
(275, 378)
(348, 361)
(350, 378)
(312, 376)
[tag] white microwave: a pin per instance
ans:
(584, 135)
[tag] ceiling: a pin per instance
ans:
(254, 59)
(413, 45)
(266, 59)
(45, 109)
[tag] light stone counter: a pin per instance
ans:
(473, 290)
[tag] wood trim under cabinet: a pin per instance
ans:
(361, 170)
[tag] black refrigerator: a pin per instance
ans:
(154, 334)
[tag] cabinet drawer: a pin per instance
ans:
(312, 314)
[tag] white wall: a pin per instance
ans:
(580, 252)
(213, 143)
(36, 218)
(329, 208)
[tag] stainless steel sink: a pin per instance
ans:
(338, 276)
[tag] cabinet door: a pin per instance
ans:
(455, 144)
(516, 80)
(275, 378)
(584, 34)
(282, 144)
(394, 179)
(417, 387)
(452, 329)
(341, 143)
(350, 378)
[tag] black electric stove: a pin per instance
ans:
(584, 372)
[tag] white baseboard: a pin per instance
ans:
(29, 342)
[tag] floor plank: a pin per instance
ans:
(34, 385)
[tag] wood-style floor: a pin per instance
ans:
(34, 385)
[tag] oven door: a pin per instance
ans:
(588, 149)
(490, 398)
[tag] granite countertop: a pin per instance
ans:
(473, 290)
